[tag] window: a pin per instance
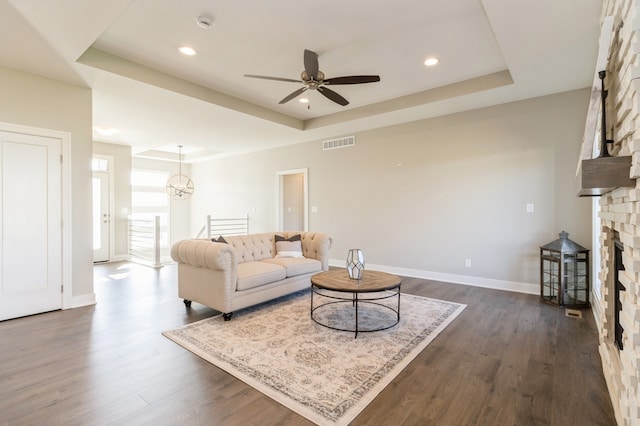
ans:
(149, 199)
(149, 178)
(100, 164)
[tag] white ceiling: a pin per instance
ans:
(490, 51)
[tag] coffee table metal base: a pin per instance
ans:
(356, 302)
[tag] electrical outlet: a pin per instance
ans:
(467, 263)
(530, 208)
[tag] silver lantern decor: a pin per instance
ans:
(355, 264)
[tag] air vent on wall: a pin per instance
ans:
(339, 143)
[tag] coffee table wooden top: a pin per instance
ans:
(338, 280)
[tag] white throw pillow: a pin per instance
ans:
(288, 249)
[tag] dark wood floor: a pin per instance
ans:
(506, 360)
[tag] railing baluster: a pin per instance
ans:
(157, 242)
(227, 226)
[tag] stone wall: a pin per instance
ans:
(620, 212)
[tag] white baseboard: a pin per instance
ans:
(84, 300)
(517, 287)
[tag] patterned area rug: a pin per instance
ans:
(325, 375)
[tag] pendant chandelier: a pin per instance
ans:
(180, 187)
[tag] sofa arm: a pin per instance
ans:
(207, 272)
(205, 254)
(316, 245)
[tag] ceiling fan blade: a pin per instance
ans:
(353, 79)
(264, 77)
(293, 95)
(330, 94)
(311, 64)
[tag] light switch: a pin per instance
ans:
(314, 209)
(530, 208)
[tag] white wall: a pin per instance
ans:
(424, 196)
(35, 101)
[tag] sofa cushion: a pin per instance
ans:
(254, 274)
(296, 266)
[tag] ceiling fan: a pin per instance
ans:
(313, 79)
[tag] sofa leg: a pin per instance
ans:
(187, 303)
(227, 316)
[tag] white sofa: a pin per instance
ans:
(247, 269)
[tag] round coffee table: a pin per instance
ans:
(370, 290)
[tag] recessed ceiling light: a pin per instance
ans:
(304, 100)
(431, 61)
(105, 131)
(186, 50)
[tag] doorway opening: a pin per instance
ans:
(292, 193)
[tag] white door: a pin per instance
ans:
(30, 225)
(101, 217)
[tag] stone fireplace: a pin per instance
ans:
(617, 312)
(616, 288)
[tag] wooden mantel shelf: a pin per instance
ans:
(601, 175)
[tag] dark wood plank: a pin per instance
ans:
(507, 359)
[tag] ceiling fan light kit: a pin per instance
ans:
(314, 79)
